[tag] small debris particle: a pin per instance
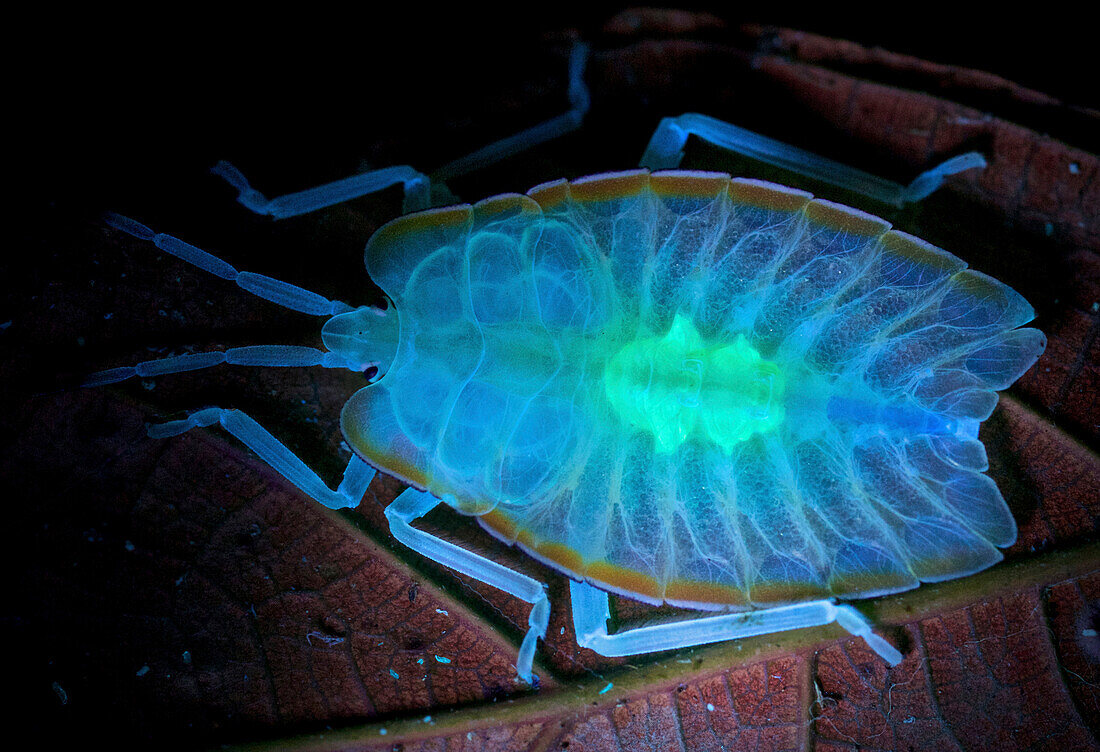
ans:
(427, 719)
(142, 671)
(607, 689)
(420, 661)
(441, 659)
(187, 657)
(1048, 228)
(1074, 168)
(710, 706)
(442, 611)
(910, 719)
(1095, 307)
(382, 732)
(394, 674)
(323, 638)
(128, 546)
(62, 695)
(1088, 632)
(5, 325)
(562, 630)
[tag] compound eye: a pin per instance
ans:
(370, 373)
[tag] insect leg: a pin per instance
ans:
(590, 614)
(417, 191)
(666, 149)
(357, 475)
(417, 185)
(579, 101)
(282, 293)
(412, 504)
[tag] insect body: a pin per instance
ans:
(692, 389)
(679, 387)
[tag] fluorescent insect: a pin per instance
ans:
(674, 386)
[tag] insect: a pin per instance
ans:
(675, 386)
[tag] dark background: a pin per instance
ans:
(103, 102)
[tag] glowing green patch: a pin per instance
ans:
(677, 384)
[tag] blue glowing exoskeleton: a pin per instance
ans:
(676, 386)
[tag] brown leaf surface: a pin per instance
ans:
(179, 593)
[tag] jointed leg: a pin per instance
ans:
(590, 614)
(417, 191)
(666, 149)
(412, 504)
(417, 185)
(357, 475)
